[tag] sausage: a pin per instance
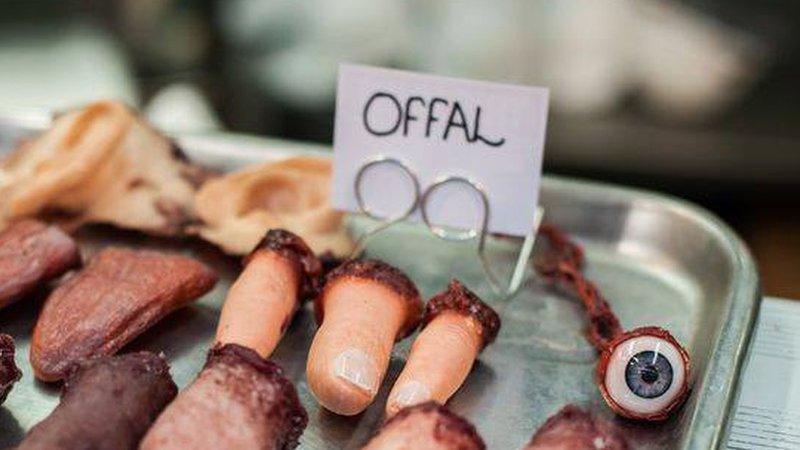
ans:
(364, 307)
(575, 429)
(116, 297)
(427, 426)
(107, 403)
(261, 303)
(9, 373)
(239, 401)
(32, 253)
(457, 325)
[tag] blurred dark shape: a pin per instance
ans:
(695, 98)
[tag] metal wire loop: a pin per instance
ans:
(503, 291)
(443, 232)
(480, 232)
(364, 208)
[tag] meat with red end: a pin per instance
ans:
(575, 429)
(239, 401)
(428, 425)
(9, 373)
(107, 403)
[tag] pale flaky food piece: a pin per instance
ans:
(103, 164)
(292, 194)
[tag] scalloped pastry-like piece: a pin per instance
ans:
(104, 164)
(292, 194)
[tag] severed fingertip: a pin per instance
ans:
(356, 368)
(409, 393)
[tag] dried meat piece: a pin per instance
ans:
(107, 403)
(239, 401)
(293, 194)
(119, 295)
(575, 429)
(9, 373)
(101, 164)
(32, 253)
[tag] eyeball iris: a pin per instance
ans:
(648, 374)
(643, 375)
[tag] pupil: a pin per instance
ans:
(648, 374)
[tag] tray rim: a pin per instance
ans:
(710, 419)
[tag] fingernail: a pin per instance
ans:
(412, 393)
(355, 367)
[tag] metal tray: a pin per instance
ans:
(659, 260)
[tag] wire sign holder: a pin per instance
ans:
(421, 200)
(447, 136)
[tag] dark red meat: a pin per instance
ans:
(119, 295)
(32, 253)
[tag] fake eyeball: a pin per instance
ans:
(644, 374)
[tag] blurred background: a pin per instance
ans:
(699, 99)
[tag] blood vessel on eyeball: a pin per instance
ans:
(643, 374)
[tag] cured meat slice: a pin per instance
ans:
(101, 164)
(32, 253)
(116, 297)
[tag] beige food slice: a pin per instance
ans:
(101, 163)
(293, 194)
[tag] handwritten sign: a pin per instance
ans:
(492, 134)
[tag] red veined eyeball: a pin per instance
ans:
(644, 374)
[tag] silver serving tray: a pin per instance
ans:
(659, 260)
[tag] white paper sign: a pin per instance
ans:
(491, 133)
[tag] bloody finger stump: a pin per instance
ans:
(575, 429)
(364, 308)
(643, 374)
(427, 426)
(239, 401)
(107, 403)
(456, 326)
(9, 373)
(278, 274)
